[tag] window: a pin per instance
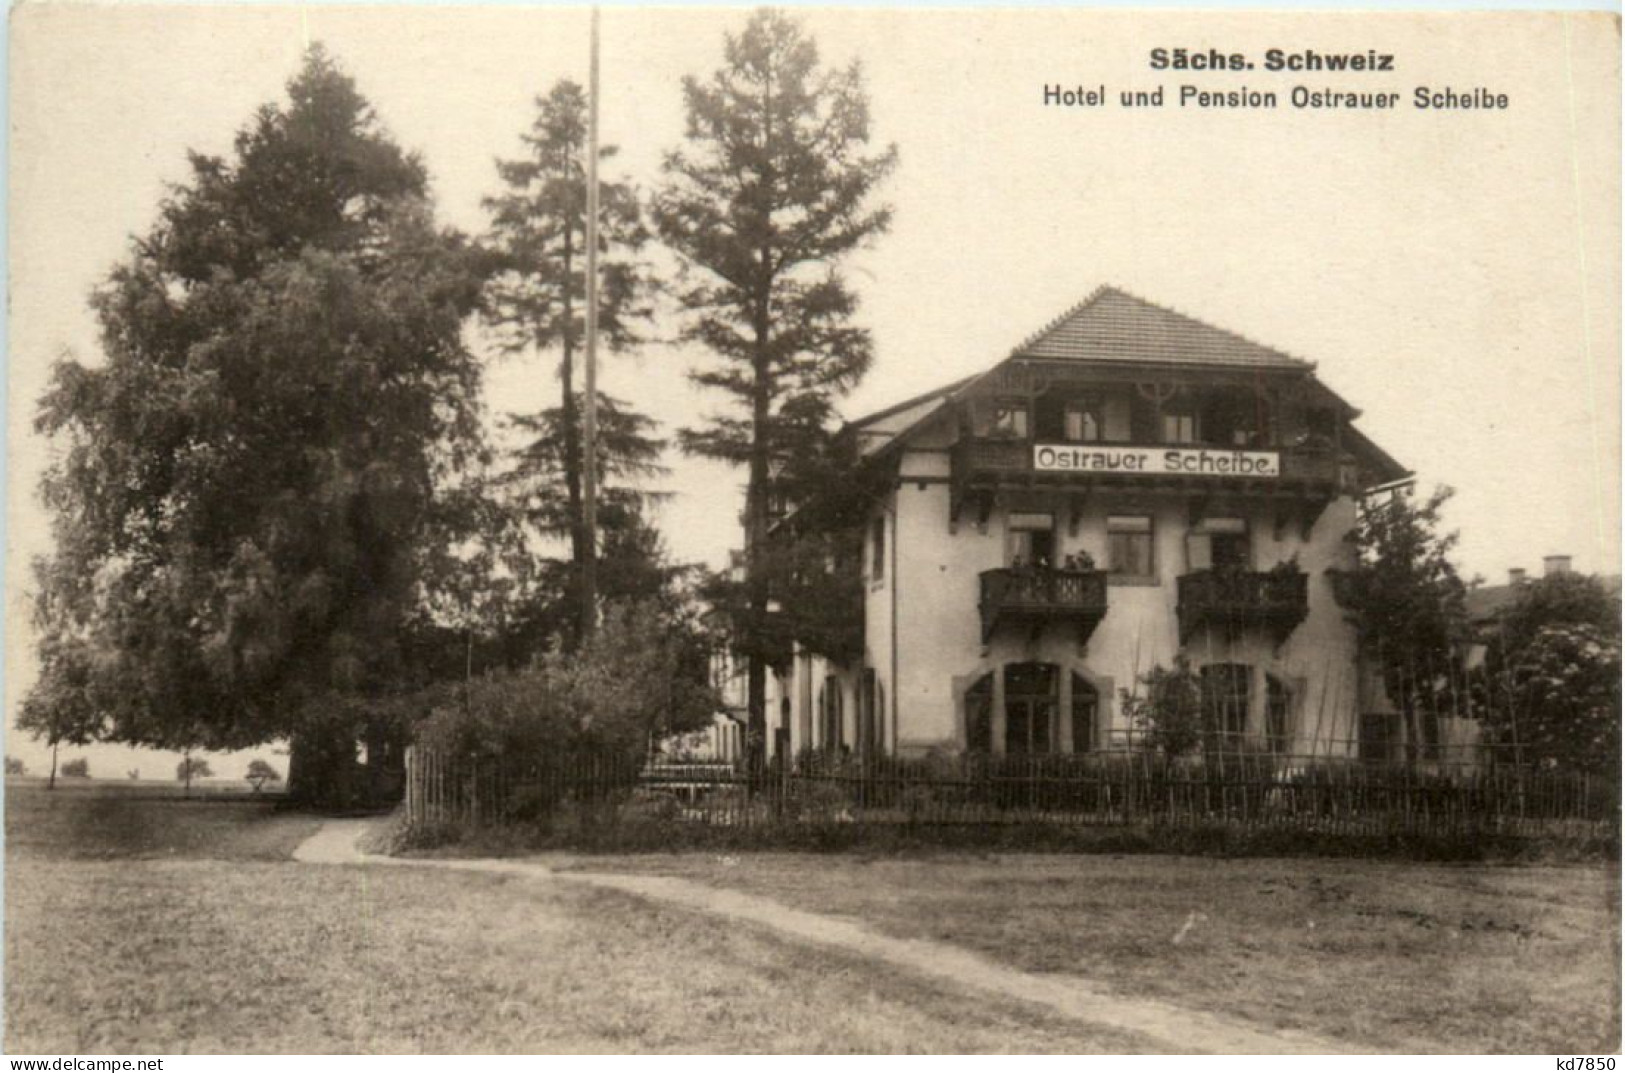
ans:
(1029, 707)
(870, 704)
(1277, 714)
(829, 711)
(1224, 701)
(1082, 421)
(1220, 544)
(877, 542)
(1085, 714)
(1129, 549)
(979, 716)
(1235, 417)
(1178, 426)
(1009, 420)
(1030, 540)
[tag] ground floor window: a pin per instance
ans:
(829, 712)
(1030, 700)
(979, 716)
(1224, 701)
(1085, 714)
(869, 715)
(1277, 714)
(1033, 718)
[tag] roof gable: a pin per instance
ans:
(1114, 326)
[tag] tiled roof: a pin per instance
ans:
(899, 407)
(1111, 325)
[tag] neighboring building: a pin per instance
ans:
(1129, 484)
(1486, 602)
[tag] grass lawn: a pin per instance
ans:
(140, 926)
(1391, 955)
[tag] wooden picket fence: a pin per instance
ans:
(1126, 788)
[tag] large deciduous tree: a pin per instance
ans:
(536, 300)
(253, 482)
(770, 194)
(1408, 604)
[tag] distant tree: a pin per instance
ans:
(536, 299)
(15, 766)
(770, 194)
(192, 767)
(253, 484)
(259, 773)
(1549, 687)
(1408, 605)
(76, 769)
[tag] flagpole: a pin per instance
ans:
(589, 424)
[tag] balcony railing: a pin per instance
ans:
(1233, 600)
(1039, 594)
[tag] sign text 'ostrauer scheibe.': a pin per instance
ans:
(1171, 461)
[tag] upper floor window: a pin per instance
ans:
(1082, 421)
(1010, 419)
(1129, 549)
(1030, 540)
(1179, 425)
(1235, 417)
(1220, 543)
(877, 544)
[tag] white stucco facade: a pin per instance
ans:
(941, 657)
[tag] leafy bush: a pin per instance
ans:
(1167, 708)
(76, 769)
(15, 766)
(1550, 683)
(1565, 687)
(622, 689)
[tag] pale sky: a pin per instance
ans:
(1454, 274)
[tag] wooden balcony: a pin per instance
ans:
(1236, 600)
(1038, 595)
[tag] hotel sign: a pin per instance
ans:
(1171, 461)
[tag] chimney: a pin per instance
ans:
(1517, 575)
(1557, 564)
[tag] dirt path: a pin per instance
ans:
(1174, 1028)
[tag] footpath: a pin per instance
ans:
(1170, 1028)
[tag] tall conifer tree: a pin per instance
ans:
(770, 193)
(536, 300)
